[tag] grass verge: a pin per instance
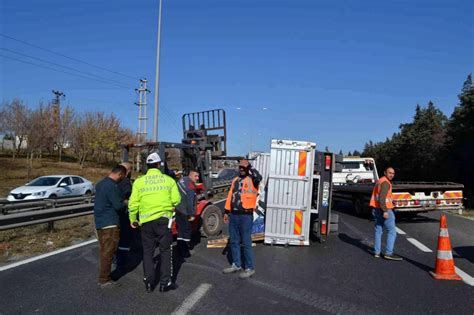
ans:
(22, 243)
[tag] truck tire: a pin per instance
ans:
(212, 221)
(359, 206)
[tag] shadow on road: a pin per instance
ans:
(466, 252)
(133, 259)
(358, 243)
(355, 242)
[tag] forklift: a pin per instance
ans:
(204, 141)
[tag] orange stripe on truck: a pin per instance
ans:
(302, 163)
(298, 222)
(453, 194)
(401, 196)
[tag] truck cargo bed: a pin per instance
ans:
(400, 186)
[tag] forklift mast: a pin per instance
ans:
(204, 139)
(206, 129)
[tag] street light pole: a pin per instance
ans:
(157, 77)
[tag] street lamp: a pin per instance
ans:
(157, 77)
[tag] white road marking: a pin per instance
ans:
(465, 277)
(400, 231)
(62, 250)
(192, 299)
(419, 245)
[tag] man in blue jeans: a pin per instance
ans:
(240, 204)
(382, 205)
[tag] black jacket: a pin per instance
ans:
(187, 190)
(108, 203)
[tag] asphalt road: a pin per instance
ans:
(339, 276)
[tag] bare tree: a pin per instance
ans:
(83, 136)
(65, 129)
(14, 117)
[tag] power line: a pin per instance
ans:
(65, 67)
(70, 73)
(71, 58)
(170, 119)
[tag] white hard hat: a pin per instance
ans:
(153, 158)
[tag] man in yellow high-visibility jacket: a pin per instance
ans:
(151, 205)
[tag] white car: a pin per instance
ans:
(52, 186)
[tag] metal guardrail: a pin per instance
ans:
(7, 207)
(26, 213)
(27, 218)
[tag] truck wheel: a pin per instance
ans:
(359, 207)
(212, 221)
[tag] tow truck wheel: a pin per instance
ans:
(359, 207)
(212, 221)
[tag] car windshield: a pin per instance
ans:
(45, 181)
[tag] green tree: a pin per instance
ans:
(415, 149)
(421, 143)
(459, 150)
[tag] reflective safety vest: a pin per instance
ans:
(375, 200)
(154, 195)
(248, 194)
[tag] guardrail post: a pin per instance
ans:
(51, 223)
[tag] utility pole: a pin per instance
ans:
(157, 78)
(57, 108)
(142, 115)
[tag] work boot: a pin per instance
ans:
(148, 287)
(393, 257)
(170, 286)
(231, 269)
(247, 273)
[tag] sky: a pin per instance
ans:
(337, 73)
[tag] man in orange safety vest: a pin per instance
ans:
(382, 205)
(240, 204)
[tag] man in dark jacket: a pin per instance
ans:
(126, 233)
(185, 211)
(107, 206)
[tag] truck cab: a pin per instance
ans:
(355, 170)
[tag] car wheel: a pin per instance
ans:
(212, 220)
(88, 193)
(53, 196)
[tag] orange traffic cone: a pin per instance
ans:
(444, 269)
